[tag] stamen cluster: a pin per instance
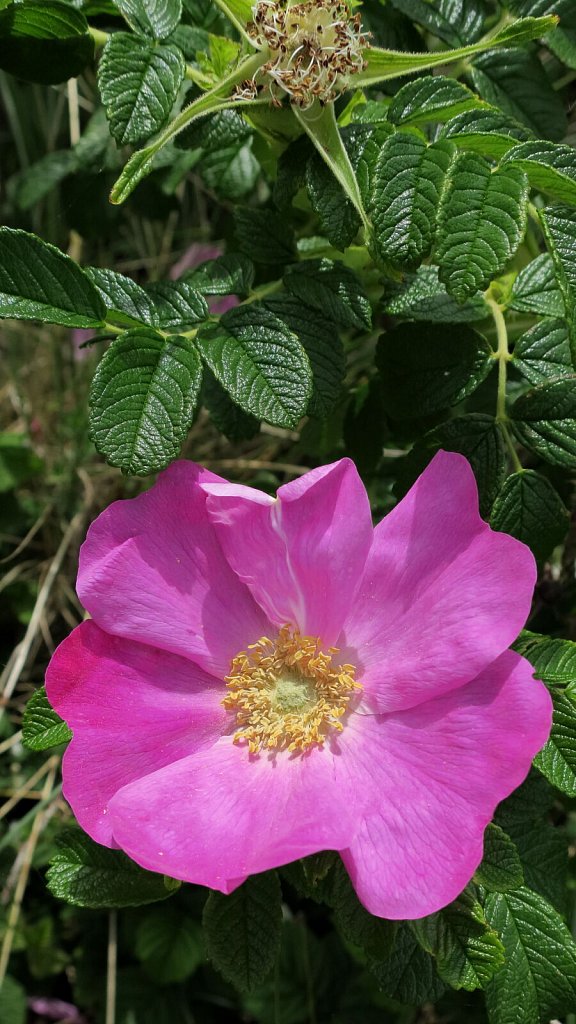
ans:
(314, 49)
(287, 694)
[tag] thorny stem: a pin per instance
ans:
(503, 356)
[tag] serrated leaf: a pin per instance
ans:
(407, 182)
(156, 18)
(169, 944)
(231, 274)
(481, 222)
(536, 290)
(230, 419)
(543, 352)
(550, 168)
(432, 98)
(544, 420)
(559, 226)
(331, 288)
(38, 282)
(476, 436)
(540, 970)
(515, 81)
(468, 953)
(139, 83)
(178, 305)
(557, 759)
(530, 509)
(455, 21)
(553, 660)
(488, 132)
(424, 373)
(538, 8)
(243, 930)
(363, 143)
(374, 935)
(125, 300)
(501, 867)
(142, 400)
(423, 297)
(42, 728)
(409, 973)
(44, 41)
(339, 220)
(323, 347)
(86, 874)
(261, 364)
(230, 173)
(264, 235)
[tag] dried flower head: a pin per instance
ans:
(314, 48)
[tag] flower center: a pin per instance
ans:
(287, 694)
(314, 48)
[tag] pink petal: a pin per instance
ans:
(133, 709)
(442, 596)
(303, 555)
(220, 815)
(436, 774)
(151, 570)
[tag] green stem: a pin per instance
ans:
(319, 123)
(503, 355)
(100, 38)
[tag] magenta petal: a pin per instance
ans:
(133, 709)
(220, 815)
(151, 570)
(436, 774)
(442, 596)
(303, 555)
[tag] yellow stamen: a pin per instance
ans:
(286, 693)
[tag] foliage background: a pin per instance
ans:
(401, 365)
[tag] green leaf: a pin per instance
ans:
(139, 83)
(476, 436)
(323, 348)
(86, 874)
(559, 226)
(339, 219)
(264, 235)
(332, 289)
(261, 364)
(319, 122)
(12, 1002)
(38, 282)
(407, 182)
(501, 867)
(432, 98)
(178, 305)
(536, 290)
(156, 18)
(544, 420)
(549, 167)
(142, 400)
(44, 41)
(18, 462)
(232, 172)
(540, 970)
(42, 728)
(228, 417)
(374, 935)
(481, 222)
(488, 132)
(530, 509)
(455, 21)
(557, 760)
(515, 81)
(35, 182)
(243, 930)
(467, 951)
(424, 373)
(543, 352)
(126, 301)
(423, 297)
(554, 660)
(169, 944)
(231, 274)
(409, 973)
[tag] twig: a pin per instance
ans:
(22, 791)
(112, 964)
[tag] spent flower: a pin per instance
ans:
(265, 678)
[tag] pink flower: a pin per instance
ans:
(266, 678)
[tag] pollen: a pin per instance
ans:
(287, 693)
(313, 47)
